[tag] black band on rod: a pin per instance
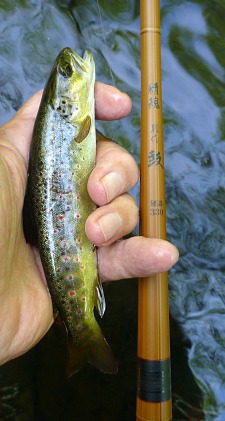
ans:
(154, 380)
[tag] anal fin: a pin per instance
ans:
(100, 299)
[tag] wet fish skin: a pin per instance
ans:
(61, 160)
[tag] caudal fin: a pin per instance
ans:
(97, 352)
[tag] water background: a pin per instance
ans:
(33, 387)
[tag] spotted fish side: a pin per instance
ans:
(62, 158)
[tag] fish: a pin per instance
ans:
(62, 157)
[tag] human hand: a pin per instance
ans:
(26, 307)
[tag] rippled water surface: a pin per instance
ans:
(33, 387)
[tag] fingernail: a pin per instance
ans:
(175, 255)
(113, 184)
(167, 255)
(110, 224)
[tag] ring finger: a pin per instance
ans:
(111, 222)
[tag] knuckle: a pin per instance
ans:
(113, 156)
(131, 169)
(129, 210)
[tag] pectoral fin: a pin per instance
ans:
(84, 129)
(29, 227)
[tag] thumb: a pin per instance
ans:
(18, 130)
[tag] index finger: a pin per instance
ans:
(110, 103)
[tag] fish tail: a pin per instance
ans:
(97, 353)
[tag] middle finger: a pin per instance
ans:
(114, 174)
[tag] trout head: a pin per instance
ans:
(70, 88)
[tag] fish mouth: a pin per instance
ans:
(68, 60)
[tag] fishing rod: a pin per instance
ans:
(153, 383)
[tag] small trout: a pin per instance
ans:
(62, 157)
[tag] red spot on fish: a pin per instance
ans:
(78, 311)
(60, 196)
(77, 259)
(67, 268)
(57, 320)
(72, 293)
(60, 175)
(77, 215)
(70, 277)
(72, 173)
(78, 240)
(66, 258)
(78, 197)
(68, 308)
(83, 299)
(58, 270)
(55, 231)
(61, 217)
(68, 207)
(81, 248)
(64, 244)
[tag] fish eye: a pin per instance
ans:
(65, 70)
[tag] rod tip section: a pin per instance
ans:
(150, 14)
(150, 30)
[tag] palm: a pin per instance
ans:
(23, 324)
